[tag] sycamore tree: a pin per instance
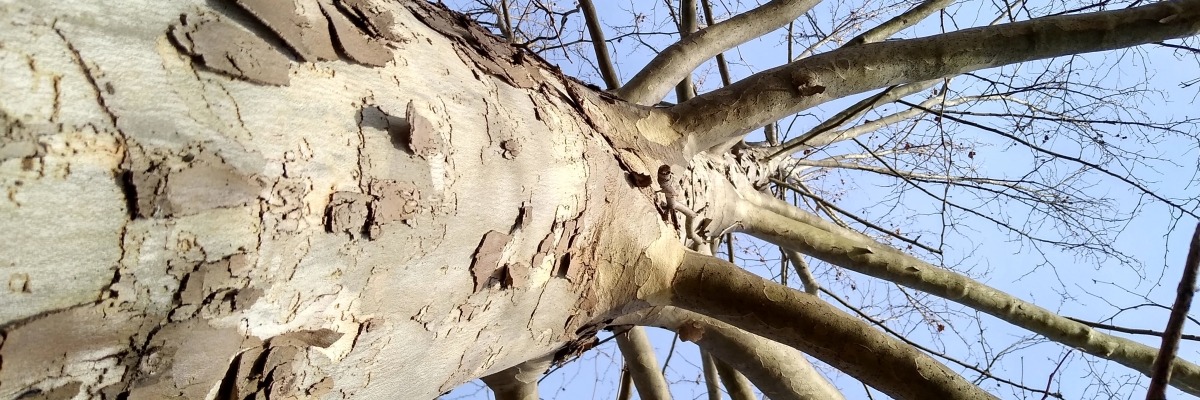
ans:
(385, 199)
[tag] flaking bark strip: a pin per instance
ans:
(229, 49)
(352, 41)
(308, 37)
(475, 45)
(377, 20)
(486, 263)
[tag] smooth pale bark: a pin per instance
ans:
(725, 292)
(678, 60)
(642, 364)
(762, 98)
(806, 277)
(520, 382)
(882, 261)
(779, 371)
(735, 383)
(712, 380)
(173, 224)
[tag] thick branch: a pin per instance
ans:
(723, 291)
(518, 382)
(844, 249)
(733, 111)
(779, 371)
(680, 59)
(643, 366)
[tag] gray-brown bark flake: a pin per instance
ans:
(394, 201)
(374, 18)
(224, 47)
(486, 264)
(353, 42)
(423, 138)
(309, 38)
(347, 212)
(185, 184)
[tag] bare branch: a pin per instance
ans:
(1170, 341)
(806, 277)
(722, 66)
(881, 261)
(680, 59)
(899, 22)
(643, 366)
(603, 62)
(723, 291)
(735, 383)
(731, 112)
(712, 382)
(686, 90)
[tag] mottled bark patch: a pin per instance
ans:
(215, 289)
(64, 392)
(230, 49)
(347, 212)
(35, 350)
(394, 201)
(164, 186)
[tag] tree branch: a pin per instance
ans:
(899, 22)
(643, 367)
(842, 248)
(712, 382)
(680, 59)
(519, 382)
(725, 292)
(1170, 340)
(600, 45)
(735, 383)
(779, 371)
(731, 112)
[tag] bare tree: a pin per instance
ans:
(386, 199)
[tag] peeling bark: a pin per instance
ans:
(236, 221)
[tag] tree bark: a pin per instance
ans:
(200, 203)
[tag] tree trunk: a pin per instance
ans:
(339, 200)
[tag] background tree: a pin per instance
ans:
(361, 198)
